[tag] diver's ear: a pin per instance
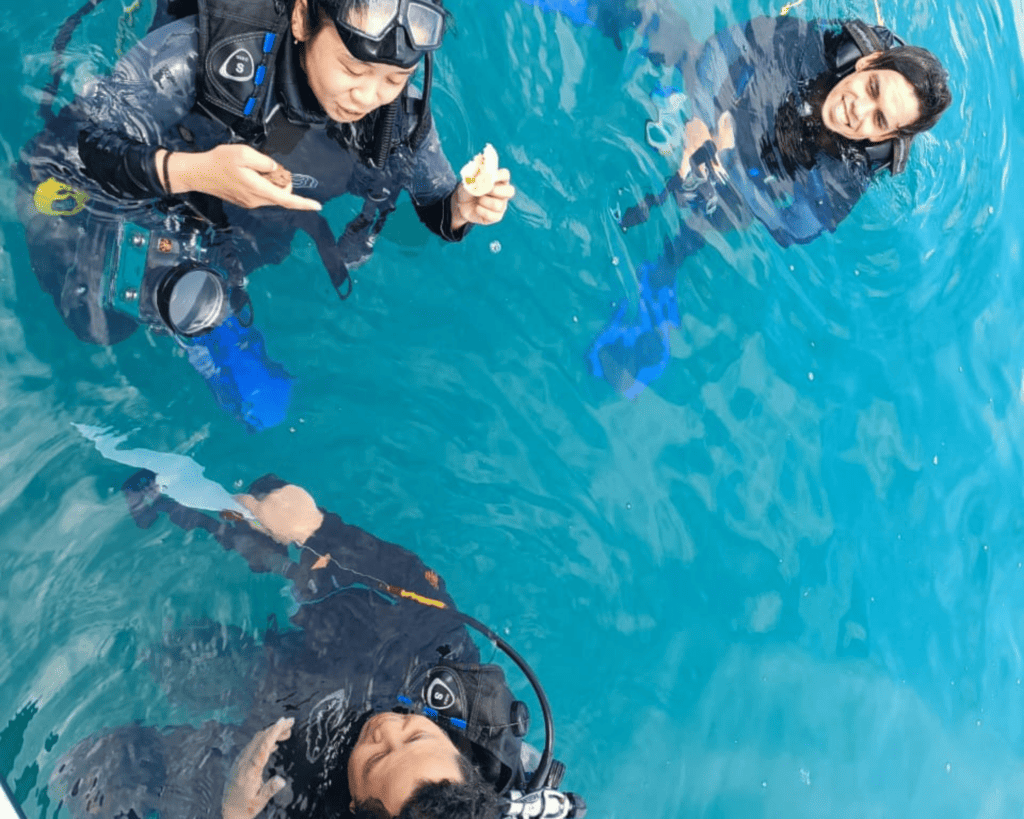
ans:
(860, 65)
(299, 21)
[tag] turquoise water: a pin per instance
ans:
(786, 581)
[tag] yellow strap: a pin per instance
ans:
(419, 598)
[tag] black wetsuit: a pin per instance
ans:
(353, 651)
(785, 170)
(103, 146)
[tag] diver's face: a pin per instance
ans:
(870, 104)
(395, 754)
(347, 89)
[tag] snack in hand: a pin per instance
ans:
(478, 175)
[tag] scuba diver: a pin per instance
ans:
(790, 122)
(149, 198)
(376, 700)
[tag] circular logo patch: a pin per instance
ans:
(54, 198)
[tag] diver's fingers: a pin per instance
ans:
(251, 158)
(293, 202)
(501, 176)
(268, 739)
(257, 752)
(267, 792)
(271, 194)
(489, 210)
(502, 192)
(491, 207)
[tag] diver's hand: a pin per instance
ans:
(245, 793)
(482, 210)
(234, 173)
(288, 514)
(726, 137)
(695, 135)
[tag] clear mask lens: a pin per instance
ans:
(374, 19)
(424, 22)
(425, 25)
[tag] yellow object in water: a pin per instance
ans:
(54, 198)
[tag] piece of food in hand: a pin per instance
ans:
(280, 176)
(479, 173)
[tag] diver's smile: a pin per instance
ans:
(870, 104)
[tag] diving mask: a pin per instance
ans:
(396, 32)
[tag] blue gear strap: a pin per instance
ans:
(233, 361)
(575, 10)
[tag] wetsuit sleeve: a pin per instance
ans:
(127, 114)
(146, 504)
(433, 183)
(718, 69)
(339, 556)
(334, 557)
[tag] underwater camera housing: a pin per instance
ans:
(162, 277)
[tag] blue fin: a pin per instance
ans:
(246, 383)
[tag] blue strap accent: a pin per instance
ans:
(575, 10)
(261, 72)
(268, 42)
(250, 105)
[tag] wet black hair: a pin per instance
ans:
(473, 798)
(321, 12)
(928, 77)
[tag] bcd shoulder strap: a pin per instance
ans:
(238, 44)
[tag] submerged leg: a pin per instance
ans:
(610, 17)
(246, 382)
(667, 36)
(630, 355)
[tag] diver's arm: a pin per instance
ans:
(339, 555)
(334, 554)
(235, 173)
(146, 503)
(433, 188)
(127, 114)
